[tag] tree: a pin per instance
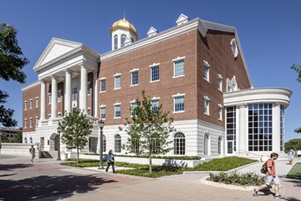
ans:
(148, 129)
(11, 63)
(293, 143)
(75, 127)
(297, 68)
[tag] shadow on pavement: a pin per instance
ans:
(48, 186)
(10, 167)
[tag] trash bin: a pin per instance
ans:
(64, 156)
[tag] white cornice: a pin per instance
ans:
(260, 95)
(29, 86)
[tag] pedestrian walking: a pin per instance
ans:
(291, 155)
(271, 176)
(32, 151)
(111, 161)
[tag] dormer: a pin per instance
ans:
(152, 31)
(182, 20)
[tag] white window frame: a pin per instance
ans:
(206, 71)
(151, 71)
(133, 103)
(101, 81)
(206, 105)
(220, 112)
(155, 99)
(30, 103)
(59, 95)
(25, 105)
(37, 120)
(174, 102)
(115, 105)
(117, 75)
(174, 67)
(100, 109)
(134, 71)
(37, 102)
(30, 122)
(25, 123)
(220, 82)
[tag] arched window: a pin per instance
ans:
(206, 142)
(115, 41)
(123, 38)
(30, 140)
(25, 140)
(179, 144)
(104, 143)
(117, 143)
(219, 145)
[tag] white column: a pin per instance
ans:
(242, 134)
(43, 101)
(276, 128)
(67, 91)
(53, 97)
(83, 90)
(95, 92)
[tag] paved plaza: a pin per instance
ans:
(47, 180)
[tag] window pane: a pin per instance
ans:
(155, 73)
(179, 68)
(179, 103)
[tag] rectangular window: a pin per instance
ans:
(220, 112)
(206, 105)
(30, 122)
(155, 73)
(206, 70)
(179, 103)
(74, 94)
(155, 104)
(117, 82)
(37, 121)
(88, 88)
(25, 105)
(179, 68)
(103, 85)
(134, 78)
(133, 106)
(220, 82)
(59, 95)
(25, 123)
(49, 98)
(30, 104)
(88, 111)
(37, 102)
(102, 112)
(117, 111)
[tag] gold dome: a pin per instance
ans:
(123, 24)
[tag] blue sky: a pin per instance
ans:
(269, 32)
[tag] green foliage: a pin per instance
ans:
(293, 143)
(148, 129)
(297, 68)
(159, 157)
(75, 127)
(224, 164)
(11, 63)
(295, 172)
(17, 138)
(236, 178)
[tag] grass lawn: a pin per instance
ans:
(295, 172)
(221, 164)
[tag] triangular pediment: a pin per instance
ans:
(55, 49)
(182, 19)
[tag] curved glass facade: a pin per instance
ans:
(260, 127)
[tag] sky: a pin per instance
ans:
(269, 32)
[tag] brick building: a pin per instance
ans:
(196, 70)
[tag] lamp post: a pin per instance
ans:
(59, 144)
(101, 125)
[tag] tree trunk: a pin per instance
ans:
(150, 165)
(77, 153)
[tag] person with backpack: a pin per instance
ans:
(111, 161)
(271, 176)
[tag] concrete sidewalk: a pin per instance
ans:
(47, 180)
